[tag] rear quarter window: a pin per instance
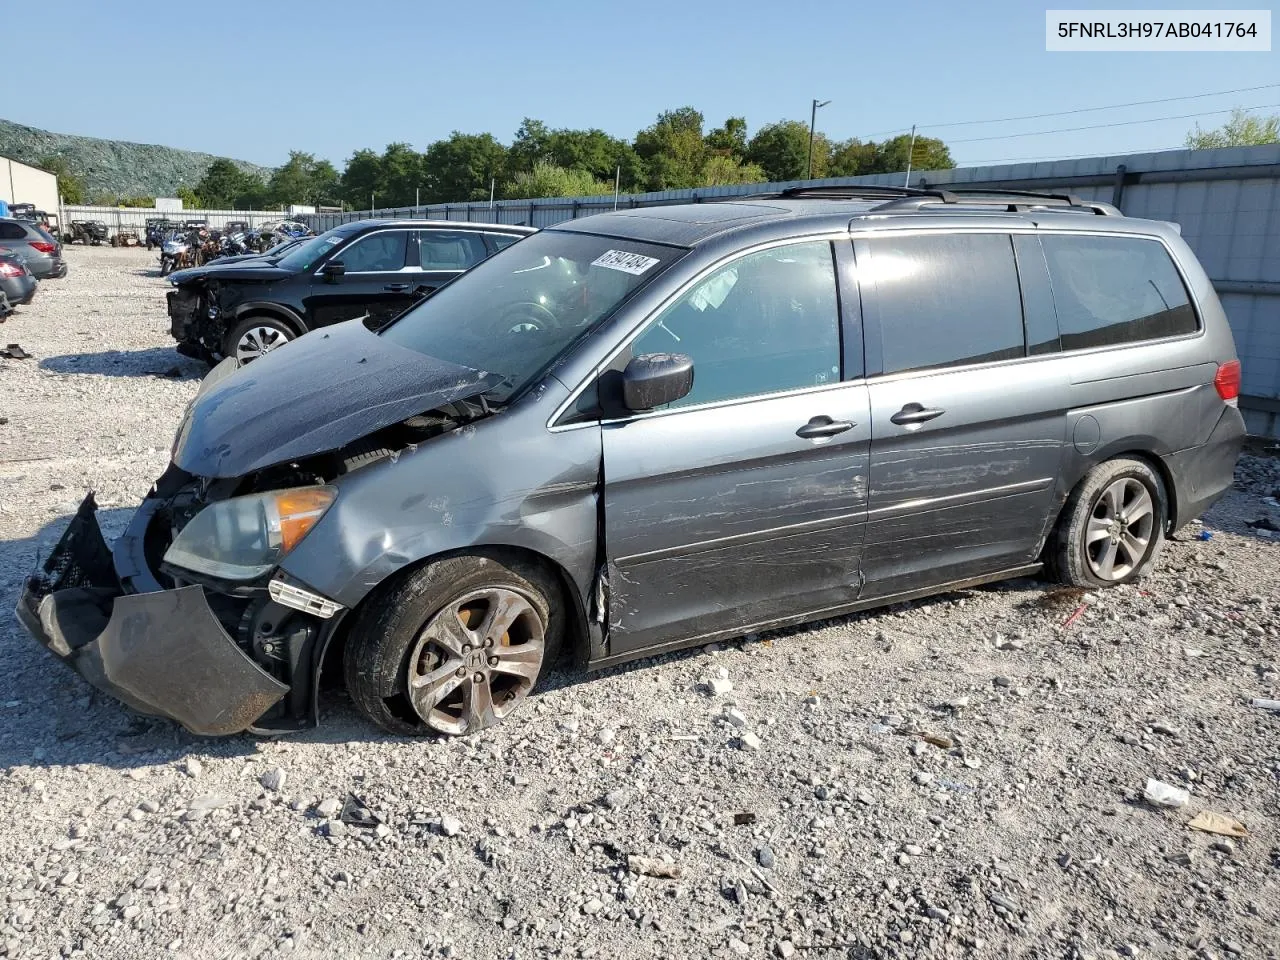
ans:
(12, 231)
(1110, 291)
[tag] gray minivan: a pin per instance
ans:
(653, 428)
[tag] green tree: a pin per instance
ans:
(70, 186)
(461, 167)
(400, 175)
(782, 150)
(302, 179)
(852, 158)
(190, 199)
(673, 149)
(226, 187)
(361, 179)
(729, 140)
(548, 180)
(1244, 129)
(720, 171)
(530, 147)
(927, 153)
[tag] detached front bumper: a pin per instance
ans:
(161, 653)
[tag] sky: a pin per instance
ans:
(253, 81)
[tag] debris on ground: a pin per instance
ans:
(1163, 794)
(1210, 822)
(652, 867)
(14, 352)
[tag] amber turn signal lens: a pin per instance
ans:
(297, 511)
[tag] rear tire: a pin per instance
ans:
(1111, 528)
(415, 666)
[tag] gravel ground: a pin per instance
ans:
(636, 813)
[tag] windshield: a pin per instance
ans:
(520, 309)
(304, 255)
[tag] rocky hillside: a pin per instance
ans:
(116, 166)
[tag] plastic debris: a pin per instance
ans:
(355, 813)
(1211, 822)
(743, 819)
(1204, 535)
(1163, 794)
(14, 352)
(1075, 615)
(1272, 705)
(652, 867)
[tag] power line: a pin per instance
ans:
(1064, 113)
(1058, 156)
(1099, 126)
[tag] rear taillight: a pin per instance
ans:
(44, 246)
(1227, 380)
(11, 270)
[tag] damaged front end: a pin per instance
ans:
(164, 652)
(195, 320)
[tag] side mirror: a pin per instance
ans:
(334, 271)
(654, 379)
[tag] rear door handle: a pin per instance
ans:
(823, 426)
(916, 413)
(396, 287)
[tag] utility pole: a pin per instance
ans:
(373, 202)
(617, 184)
(813, 120)
(910, 151)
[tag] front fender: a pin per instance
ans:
(501, 482)
(283, 311)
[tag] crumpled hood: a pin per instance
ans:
(247, 270)
(315, 394)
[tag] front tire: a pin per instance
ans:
(254, 337)
(1112, 527)
(455, 646)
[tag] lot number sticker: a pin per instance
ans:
(633, 263)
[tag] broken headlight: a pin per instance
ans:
(245, 537)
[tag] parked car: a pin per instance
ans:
(16, 281)
(41, 251)
(370, 268)
(655, 428)
(156, 230)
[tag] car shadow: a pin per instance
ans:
(153, 362)
(148, 272)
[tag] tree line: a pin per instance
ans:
(676, 151)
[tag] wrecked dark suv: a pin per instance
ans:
(372, 269)
(649, 429)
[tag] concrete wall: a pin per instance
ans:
(22, 184)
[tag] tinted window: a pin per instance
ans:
(450, 249)
(1112, 290)
(12, 231)
(943, 300)
(767, 322)
(379, 252)
(501, 240)
(522, 308)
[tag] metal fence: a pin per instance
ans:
(1226, 201)
(135, 218)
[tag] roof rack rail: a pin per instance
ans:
(1014, 201)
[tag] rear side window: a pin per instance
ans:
(944, 300)
(503, 240)
(12, 231)
(450, 249)
(1115, 290)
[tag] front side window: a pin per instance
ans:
(519, 310)
(1115, 290)
(307, 253)
(764, 323)
(450, 249)
(943, 300)
(378, 252)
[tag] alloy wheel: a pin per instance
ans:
(475, 660)
(259, 340)
(1120, 528)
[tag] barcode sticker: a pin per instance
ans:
(633, 263)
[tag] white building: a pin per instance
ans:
(22, 184)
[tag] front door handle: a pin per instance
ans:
(915, 413)
(396, 287)
(823, 427)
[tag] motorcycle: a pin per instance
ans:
(175, 253)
